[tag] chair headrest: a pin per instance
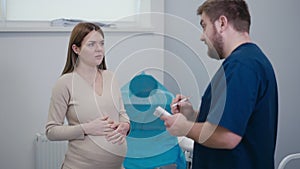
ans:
(142, 85)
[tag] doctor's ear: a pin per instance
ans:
(223, 22)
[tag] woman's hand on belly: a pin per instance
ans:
(119, 133)
(98, 127)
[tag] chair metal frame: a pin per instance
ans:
(287, 159)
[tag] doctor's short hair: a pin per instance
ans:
(236, 11)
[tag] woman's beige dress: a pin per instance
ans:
(74, 99)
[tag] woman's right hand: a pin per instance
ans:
(98, 127)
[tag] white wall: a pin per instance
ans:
(30, 63)
(275, 28)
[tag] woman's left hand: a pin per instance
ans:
(119, 133)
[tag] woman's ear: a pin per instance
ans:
(75, 49)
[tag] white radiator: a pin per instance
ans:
(48, 154)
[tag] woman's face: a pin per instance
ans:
(91, 52)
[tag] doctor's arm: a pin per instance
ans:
(206, 133)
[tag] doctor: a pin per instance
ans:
(236, 126)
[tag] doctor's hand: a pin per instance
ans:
(177, 124)
(98, 127)
(183, 107)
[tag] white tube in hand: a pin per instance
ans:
(159, 111)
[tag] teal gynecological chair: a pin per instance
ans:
(149, 144)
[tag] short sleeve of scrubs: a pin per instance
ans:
(234, 99)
